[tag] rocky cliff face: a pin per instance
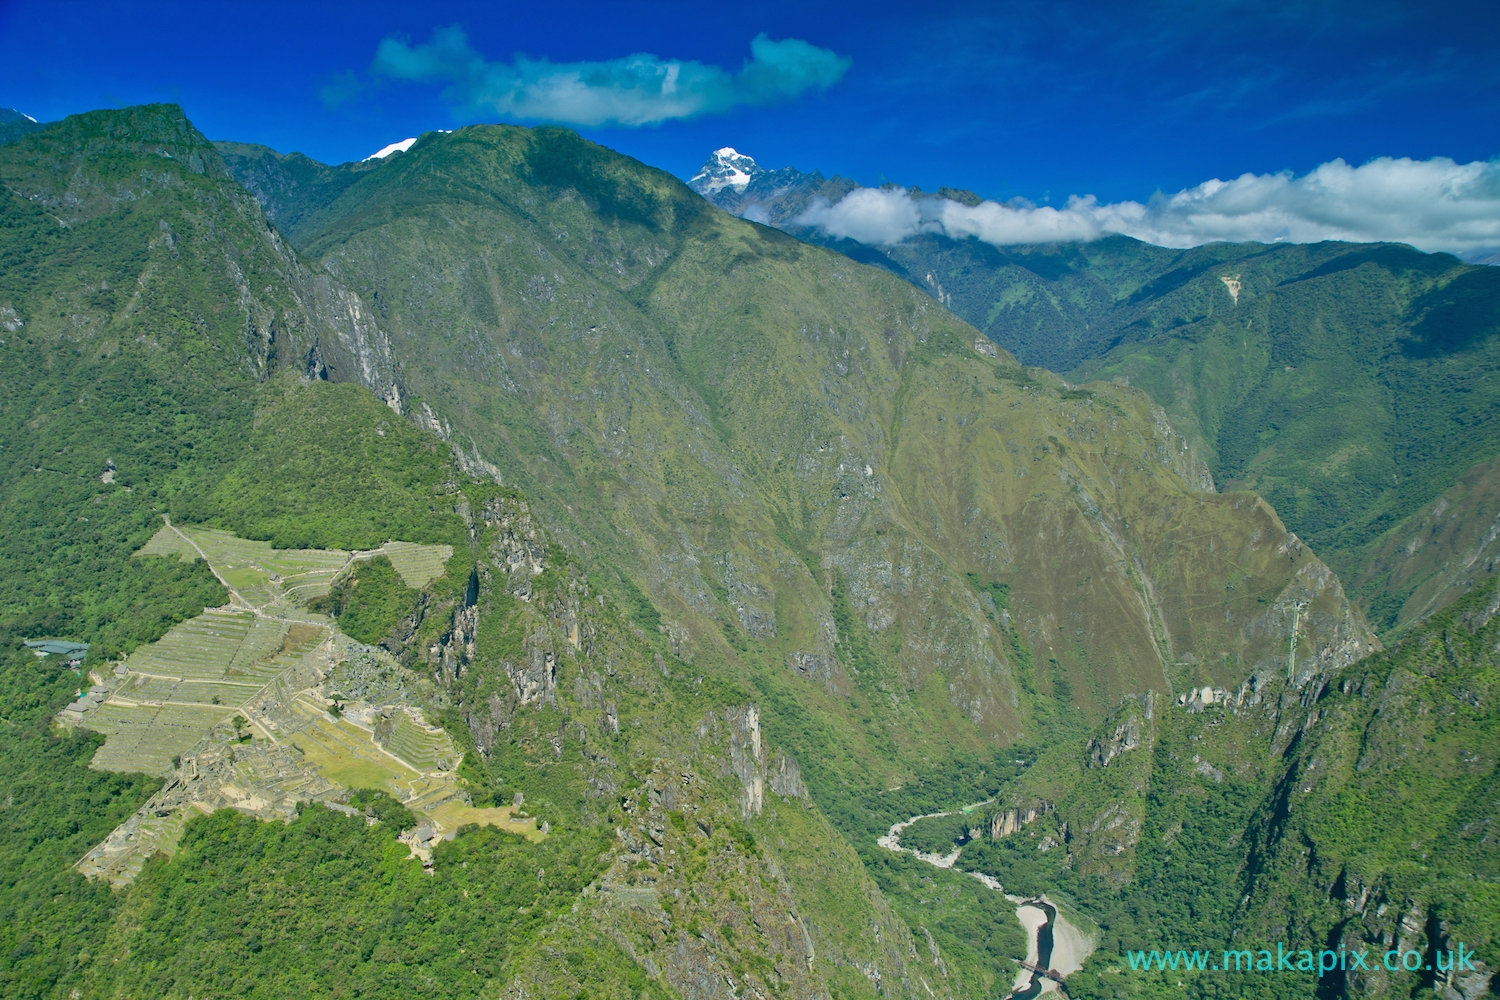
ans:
(1346, 806)
(715, 883)
(99, 168)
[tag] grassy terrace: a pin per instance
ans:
(201, 648)
(198, 674)
(418, 564)
(345, 753)
(262, 574)
(426, 749)
(161, 690)
(249, 566)
(145, 738)
(300, 640)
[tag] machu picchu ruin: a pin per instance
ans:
(264, 704)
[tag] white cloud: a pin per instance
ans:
(1432, 204)
(871, 215)
(633, 90)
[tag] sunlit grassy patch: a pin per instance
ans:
(418, 564)
(167, 542)
(452, 815)
(347, 756)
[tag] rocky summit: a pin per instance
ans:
(506, 573)
(726, 168)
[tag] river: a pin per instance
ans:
(1052, 941)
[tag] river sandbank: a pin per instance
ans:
(1070, 947)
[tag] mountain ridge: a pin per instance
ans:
(665, 214)
(1400, 336)
(756, 552)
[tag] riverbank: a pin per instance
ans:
(1070, 946)
(1052, 941)
(1034, 919)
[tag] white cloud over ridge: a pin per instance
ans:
(632, 91)
(1432, 204)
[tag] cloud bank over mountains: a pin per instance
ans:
(630, 91)
(1432, 204)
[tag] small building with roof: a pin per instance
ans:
(70, 651)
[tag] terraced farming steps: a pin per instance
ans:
(147, 738)
(426, 748)
(418, 565)
(264, 577)
(261, 574)
(201, 648)
(265, 670)
(197, 675)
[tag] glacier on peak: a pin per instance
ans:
(726, 167)
(395, 147)
(740, 186)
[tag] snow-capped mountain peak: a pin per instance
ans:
(726, 167)
(395, 147)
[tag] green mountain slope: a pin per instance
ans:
(746, 426)
(290, 188)
(1441, 551)
(132, 342)
(801, 475)
(1350, 810)
(13, 125)
(756, 552)
(144, 300)
(680, 846)
(1351, 384)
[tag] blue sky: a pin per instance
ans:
(1039, 101)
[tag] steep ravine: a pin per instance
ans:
(1053, 943)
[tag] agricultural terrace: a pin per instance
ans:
(263, 577)
(172, 692)
(418, 565)
(235, 703)
(147, 738)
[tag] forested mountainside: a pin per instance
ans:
(1371, 388)
(149, 307)
(1352, 810)
(1349, 384)
(752, 552)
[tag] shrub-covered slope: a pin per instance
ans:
(1351, 384)
(1352, 810)
(148, 309)
(754, 431)
(292, 188)
(1446, 548)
